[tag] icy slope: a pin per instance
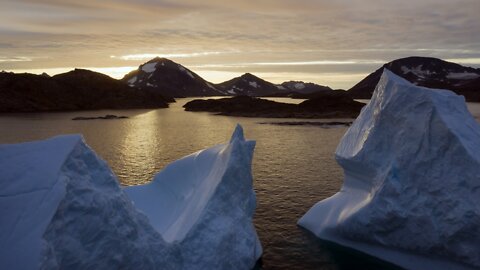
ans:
(411, 192)
(61, 207)
(205, 202)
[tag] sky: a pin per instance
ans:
(334, 43)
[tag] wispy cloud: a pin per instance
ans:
(148, 56)
(15, 59)
(466, 61)
(307, 36)
(294, 63)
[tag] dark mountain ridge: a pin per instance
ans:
(75, 90)
(248, 85)
(301, 87)
(170, 79)
(428, 72)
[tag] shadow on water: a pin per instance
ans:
(346, 258)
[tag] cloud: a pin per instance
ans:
(467, 61)
(15, 59)
(148, 56)
(276, 35)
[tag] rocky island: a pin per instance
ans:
(331, 104)
(106, 117)
(427, 72)
(79, 89)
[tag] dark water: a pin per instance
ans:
(293, 167)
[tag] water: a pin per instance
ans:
(293, 167)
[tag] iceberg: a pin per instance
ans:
(63, 208)
(205, 202)
(411, 193)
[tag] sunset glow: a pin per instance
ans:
(325, 42)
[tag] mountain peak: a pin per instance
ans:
(159, 59)
(304, 88)
(428, 72)
(170, 79)
(249, 85)
(82, 73)
(248, 74)
(250, 77)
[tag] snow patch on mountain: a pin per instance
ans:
(132, 80)
(463, 76)
(210, 86)
(418, 71)
(150, 67)
(299, 86)
(181, 68)
(253, 84)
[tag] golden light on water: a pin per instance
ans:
(139, 147)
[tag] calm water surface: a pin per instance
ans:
(293, 167)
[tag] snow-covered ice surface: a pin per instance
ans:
(205, 202)
(150, 67)
(61, 207)
(412, 180)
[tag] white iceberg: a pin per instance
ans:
(61, 207)
(205, 202)
(411, 194)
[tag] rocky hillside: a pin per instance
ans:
(75, 90)
(170, 79)
(249, 85)
(303, 88)
(428, 72)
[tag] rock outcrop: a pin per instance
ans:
(75, 90)
(170, 79)
(428, 72)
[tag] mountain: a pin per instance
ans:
(174, 80)
(170, 79)
(248, 85)
(302, 87)
(75, 90)
(427, 72)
